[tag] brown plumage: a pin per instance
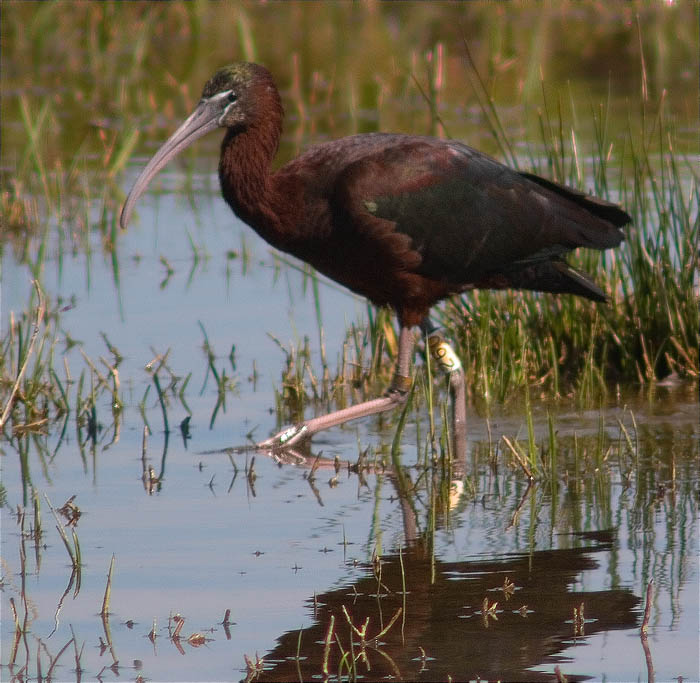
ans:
(402, 220)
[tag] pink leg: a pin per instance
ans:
(396, 395)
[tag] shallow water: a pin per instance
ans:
(208, 538)
(197, 527)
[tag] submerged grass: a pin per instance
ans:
(604, 479)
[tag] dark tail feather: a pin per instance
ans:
(557, 277)
(599, 208)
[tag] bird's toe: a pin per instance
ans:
(286, 438)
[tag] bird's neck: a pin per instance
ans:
(246, 181)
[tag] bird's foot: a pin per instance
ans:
(294, 435)
(286, 438)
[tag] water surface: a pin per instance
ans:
(196, 528)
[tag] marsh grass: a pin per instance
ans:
(62, 189)
(650, 328)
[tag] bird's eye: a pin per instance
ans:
(231, 97)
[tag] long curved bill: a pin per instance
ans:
(203, 120)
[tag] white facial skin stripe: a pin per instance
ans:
(220, 95)
(223, 96)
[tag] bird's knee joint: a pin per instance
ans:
(400, 386)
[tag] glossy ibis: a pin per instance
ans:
(403, 220)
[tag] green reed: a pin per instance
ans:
(650, 327)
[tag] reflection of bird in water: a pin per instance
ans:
(520, 632)
(402, 220)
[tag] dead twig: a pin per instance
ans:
(40, 310)
(519, 458)
(647, 608)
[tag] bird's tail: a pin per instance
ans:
(556, 276)
(592, 233)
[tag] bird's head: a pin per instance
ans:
(233, 98)
(239, 90)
